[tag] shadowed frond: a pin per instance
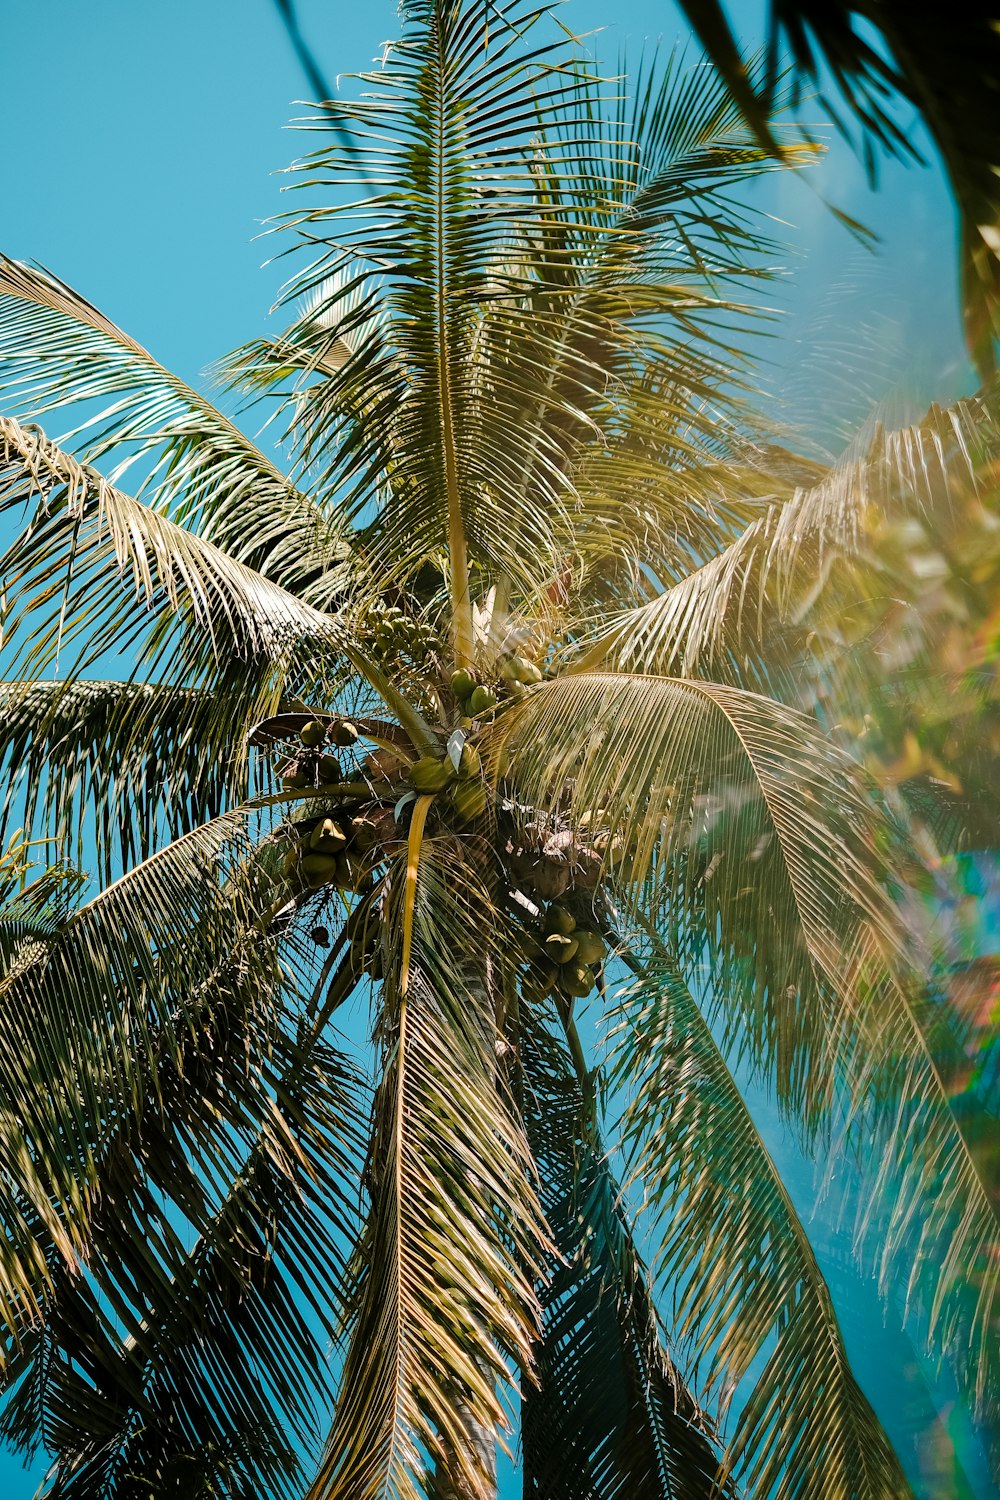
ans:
(57, 351)
(610, 1415)
(734, 1262)
(443, 1301)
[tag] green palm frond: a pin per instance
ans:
(610, 1414)
(443, 1298)
(123, 763)
(735, 1262)
(57, 351)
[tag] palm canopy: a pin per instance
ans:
(486, 703)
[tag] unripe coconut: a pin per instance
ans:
(550, 879)
(344, 872)
(480, 700)
(591, 947)
(345, 734)
(576, 980)
(520, 669)
(469, 763)
(560, 948)
(559, 919)
(470, 799)
(327, 837)
(290, 859)
(313, 733)
(430, 775)
(295, 782)
(322, 865)
(328, 770)
(462, 684)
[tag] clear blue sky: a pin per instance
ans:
(141, 142)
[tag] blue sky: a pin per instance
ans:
(143, 144)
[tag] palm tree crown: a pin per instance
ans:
(495, 708)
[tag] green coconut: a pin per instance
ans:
(469, 762)
(313, 733)
(520, 669)
(295, 782)
(327, 837)
(470, 799)
(430, 775)
(462, 684)
(328, 770)
(345, 734)
(560, 948)
(576, 980)
(591, 947)
(559, 919)
(480, 700)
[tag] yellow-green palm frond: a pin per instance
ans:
(443, 1303)
(58, 353)
(734, 1260)
(746, 614)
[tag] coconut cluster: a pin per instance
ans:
(463, 783)
(314, 766)
(561, 954)
(396, 633)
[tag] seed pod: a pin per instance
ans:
(462, 684)
(559, 919)
(470, 799)
(430, 775)
(576, 980)
(345, 734)
(327, 837)
(560, 948)
(480, 700)
(313, 733)
(591, 947)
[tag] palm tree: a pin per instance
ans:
(486, 711)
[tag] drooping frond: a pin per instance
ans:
(57, 351)
(97, 566)
(125, 764)
(443, 1302)
(746, 613)
(734, 1262)
(761, 854)
(610, 1415)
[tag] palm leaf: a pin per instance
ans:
(734, 1260)
(58, 351)
(610, 1415)
(443, 1298)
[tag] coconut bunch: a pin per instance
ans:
(562, 954)
(395, 634)
(474, 698)
(340, 850)
(313, 766)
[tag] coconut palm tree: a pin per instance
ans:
(485, 708)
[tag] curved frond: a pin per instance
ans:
(734, 1260)
(610, 1414)
(57, 351)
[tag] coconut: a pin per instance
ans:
(430, 775)
(290, 859)
(576, 980)
(327, 837)
(328, 770)
(480, 700)
(295, 782)
(345, 734)
(469, 763)
(559, 919)
(560, 948)
(462, 684)
(470, 799)
(520, 669)
(322, 865)
(550, 879)
(313, 733)
(591, 947)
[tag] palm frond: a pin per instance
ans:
(57, 351)
(747, 613)
(443, 1302)
(610, 1414)
(734, 1261)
